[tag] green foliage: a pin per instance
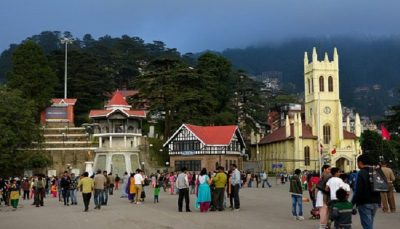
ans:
(87, 81)
(32, 75)
(18, 131)
(375, 147)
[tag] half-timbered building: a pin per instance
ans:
(197, 147)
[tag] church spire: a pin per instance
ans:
(314, 55)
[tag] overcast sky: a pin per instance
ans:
(196, 25)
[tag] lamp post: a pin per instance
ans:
(143, 165)
(167, 165)
(66, 41)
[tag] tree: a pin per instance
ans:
(87, 81)
(32, 75)
(18, 131)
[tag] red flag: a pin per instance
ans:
(333, 151)
(385, 133)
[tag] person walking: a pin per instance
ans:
(366, 200)
(65, 184)
(39, 191)
(125, 179)
(220, 180)
(117, 179)
(172, 183)
(86, 186)
(156, 193)
(139, 181)
(323, 197)
(264, 179)
(296, 191)
(203, 193)
(235, 181)
(99, 184)
(14, 194)
(182, 184)
(106, 187)
(112, 182)
(388, 200)
(72, 189)
(25, 188)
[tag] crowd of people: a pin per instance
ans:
(218, 190)
(329, 194)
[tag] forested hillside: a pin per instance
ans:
(369, 67)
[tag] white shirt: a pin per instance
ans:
(138, 178)
(334, 184)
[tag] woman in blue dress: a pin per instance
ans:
(203, 193)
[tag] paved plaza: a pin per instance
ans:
(260, 208)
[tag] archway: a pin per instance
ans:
(343, 164)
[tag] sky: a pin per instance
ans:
(198, 25)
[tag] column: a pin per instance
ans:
(125, 140)
(100, 142)
(110, 141)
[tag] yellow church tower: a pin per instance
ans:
(323, 110)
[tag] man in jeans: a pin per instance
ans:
(219, 180)
(106, 187)
(235, 182)
(99, 183)
(65, 184)
(86, 186)
(182, 183)
(364, 197)
(264, 179)
(72, 189)
(296, 191)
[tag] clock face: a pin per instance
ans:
(327, 110)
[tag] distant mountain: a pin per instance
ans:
(369, 67)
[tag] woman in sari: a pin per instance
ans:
(203, 192)
(131, 188)
(172, 183)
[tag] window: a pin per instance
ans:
(309, 86)
(321, 83)
(327, 133)
(186, 145)
(312, 84)
(191, 165)
(307, 156)
(330, 84)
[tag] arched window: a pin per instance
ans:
(312, 84)
(330, 84)
(327, 133)
(321, 83)
(309, 86)
(307, 156)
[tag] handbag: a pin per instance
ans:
(378, 180)
(142, 195)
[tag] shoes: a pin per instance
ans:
(180, 210)
(300, 218)
(188, 210)
(237, 209)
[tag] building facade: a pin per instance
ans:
(319, 129)
(197, 147)
(118, 130)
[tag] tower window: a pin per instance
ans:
(307, 156)
(309, 86)
(327, 133)
(312, 84)
(330, 84)
(321, 83)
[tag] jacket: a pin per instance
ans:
(363, 193)
(295, 185)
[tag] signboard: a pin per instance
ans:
(187, 153)
(277, 166)
(56, 113)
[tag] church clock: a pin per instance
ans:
(327, 110)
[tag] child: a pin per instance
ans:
(156, 193)
(53, 189)
(14, 195)
(342, 210)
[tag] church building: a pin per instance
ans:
(319, 129)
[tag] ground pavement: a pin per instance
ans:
(260, 208)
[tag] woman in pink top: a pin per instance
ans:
(172, 183)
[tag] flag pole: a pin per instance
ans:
(318, 134)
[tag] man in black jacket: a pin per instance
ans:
(365, 198)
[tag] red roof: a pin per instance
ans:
(280, 134)
(105, 113)
(125, 93)
(67, 101)
(117, 100)
(213, 135)
(348, 135)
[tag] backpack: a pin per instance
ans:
(378, 179)
(322, 185)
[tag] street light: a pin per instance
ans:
(143, 165)
(66, 41)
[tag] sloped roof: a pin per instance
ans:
(280, 134)
(67, 101)
(128, 113)
(213, 135)
(117, 100)
(348, 135)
